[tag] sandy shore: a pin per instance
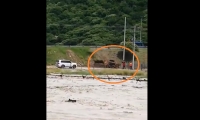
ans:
(95, 100)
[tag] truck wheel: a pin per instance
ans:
(74, 66)
(63, 66)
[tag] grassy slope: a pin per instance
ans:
(56, 52)
(142, 55)
(80, 54)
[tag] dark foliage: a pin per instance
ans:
(94, 22)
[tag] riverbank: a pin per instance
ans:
(96, 72)
(95, 100)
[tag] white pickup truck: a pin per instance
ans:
(65, 63)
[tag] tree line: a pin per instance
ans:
(95, 22)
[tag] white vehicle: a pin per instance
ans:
(65, 63)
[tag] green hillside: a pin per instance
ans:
(94, 22)
(80, 55)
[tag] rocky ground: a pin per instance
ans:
(95, 100)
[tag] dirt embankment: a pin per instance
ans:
(73, 57)
(105, 54)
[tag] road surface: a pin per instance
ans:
(85, 68)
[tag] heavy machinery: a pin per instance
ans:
(112, 64)
(98, 63)
(106, 64)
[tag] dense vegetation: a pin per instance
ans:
(94, 22)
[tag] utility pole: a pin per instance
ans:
(133, 47)
(141, 30)
(124, 38)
